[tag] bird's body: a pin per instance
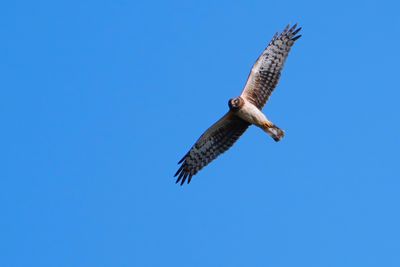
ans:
(244, 110)
(251, 114)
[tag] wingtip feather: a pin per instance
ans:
(293, 27)
(296, 37)
(179, 170)
(296, 31)
(180, 177)
(182, 159)
(190, 178)
(184, 178)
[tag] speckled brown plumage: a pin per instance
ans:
(215, 141)
(265, 73)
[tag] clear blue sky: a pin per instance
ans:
(100, 99)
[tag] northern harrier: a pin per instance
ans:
(244, 110)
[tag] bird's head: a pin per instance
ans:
(235, 103)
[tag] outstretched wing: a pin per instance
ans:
(212, 143)
(264, 75)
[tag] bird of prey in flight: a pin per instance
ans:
(244, 110)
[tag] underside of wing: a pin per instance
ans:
(215, 141)
(265, 73)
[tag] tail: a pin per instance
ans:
(274, 131)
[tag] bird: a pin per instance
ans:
(244, 110)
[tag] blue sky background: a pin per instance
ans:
(100, 99)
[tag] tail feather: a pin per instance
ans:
(274, 131)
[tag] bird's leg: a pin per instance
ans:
(275, 132)
(267, 124)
